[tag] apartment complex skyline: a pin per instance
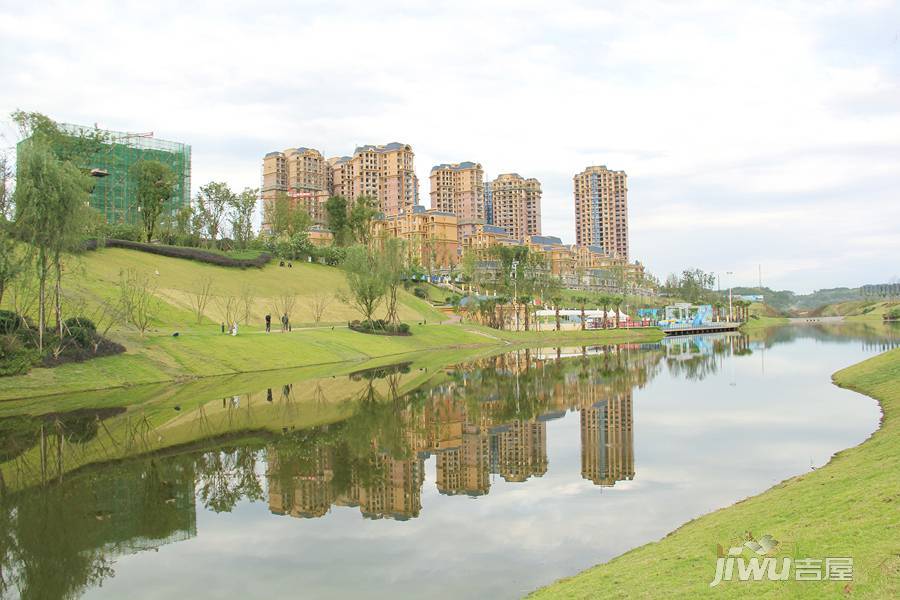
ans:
(516, 205)
(601, 210)
(510, 201)
(383, 172)
(458, 188)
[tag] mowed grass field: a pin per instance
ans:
(850, 507)
(201, 350)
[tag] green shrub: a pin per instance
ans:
(10, 322)
(82, 322)
(420, 292)
(83, 336)
(15, 358)
(894, 313)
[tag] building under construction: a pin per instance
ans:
(114, 193)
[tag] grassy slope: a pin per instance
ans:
(202, 351)
(857, 310)
(851, 507)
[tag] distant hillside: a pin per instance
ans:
(786, 301)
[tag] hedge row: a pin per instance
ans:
(184, 252)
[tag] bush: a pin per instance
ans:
(380, 327)
(83, 336)
(15, 357)
(894, 313)
(420, 292)
(124, 231)
(197, 254)
(80, 322)
(10, 322)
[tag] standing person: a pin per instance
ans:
(283, 323)
(268, 323)
(234, 328)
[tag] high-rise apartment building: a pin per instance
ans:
(385, 173)
(302, 175)
(601, 210)
(459, 189)
(488, 204)
(517, 205)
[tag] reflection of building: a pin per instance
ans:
(303, 492)
(397, 493)
(465, 468)
(519, 450)
(607, 440)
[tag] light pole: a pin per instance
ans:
(730, 317)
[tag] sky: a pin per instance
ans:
(757, 136)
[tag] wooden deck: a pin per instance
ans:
(706, 328)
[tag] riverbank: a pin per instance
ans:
(850, 507)
(199, 354)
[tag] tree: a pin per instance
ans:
(200, 297)
(392, 261)
(318, 304)
(556, 299)
(11, 261)
(365, 280)
(242, 207)
(338, 219)
(361, 216)
(137, 299)
(51, 201)
(581, 302)
(286, 218)
(213, 199)
(604, 300)
(155, 185)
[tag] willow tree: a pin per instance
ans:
(366, 281)
(155, 183)
(51, 201)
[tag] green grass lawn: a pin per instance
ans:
(850, 507)
(201, 350)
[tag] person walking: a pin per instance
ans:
(268, 323)
(283, 323)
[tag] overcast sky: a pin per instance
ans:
(752, 132)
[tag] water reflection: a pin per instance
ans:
(378, 442)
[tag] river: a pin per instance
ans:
(489, 477)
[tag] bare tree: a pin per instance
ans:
(318, 303)
(229, 309)
(284, 306)
(138, 300)
(247, 301)
(200, 298)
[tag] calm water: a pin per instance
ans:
(485, 479)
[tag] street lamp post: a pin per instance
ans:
(730, 317)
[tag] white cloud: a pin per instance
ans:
(719, 110)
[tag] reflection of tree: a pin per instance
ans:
(224, 477)
(58, 541)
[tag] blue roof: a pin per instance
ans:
(273, 154)
(456, 167)
(495, 229)
(385, 148)
(547, 240)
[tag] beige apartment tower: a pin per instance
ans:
(302, 175)
(601, 210)
(386, 173)
(517, 205)
(458, 188)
